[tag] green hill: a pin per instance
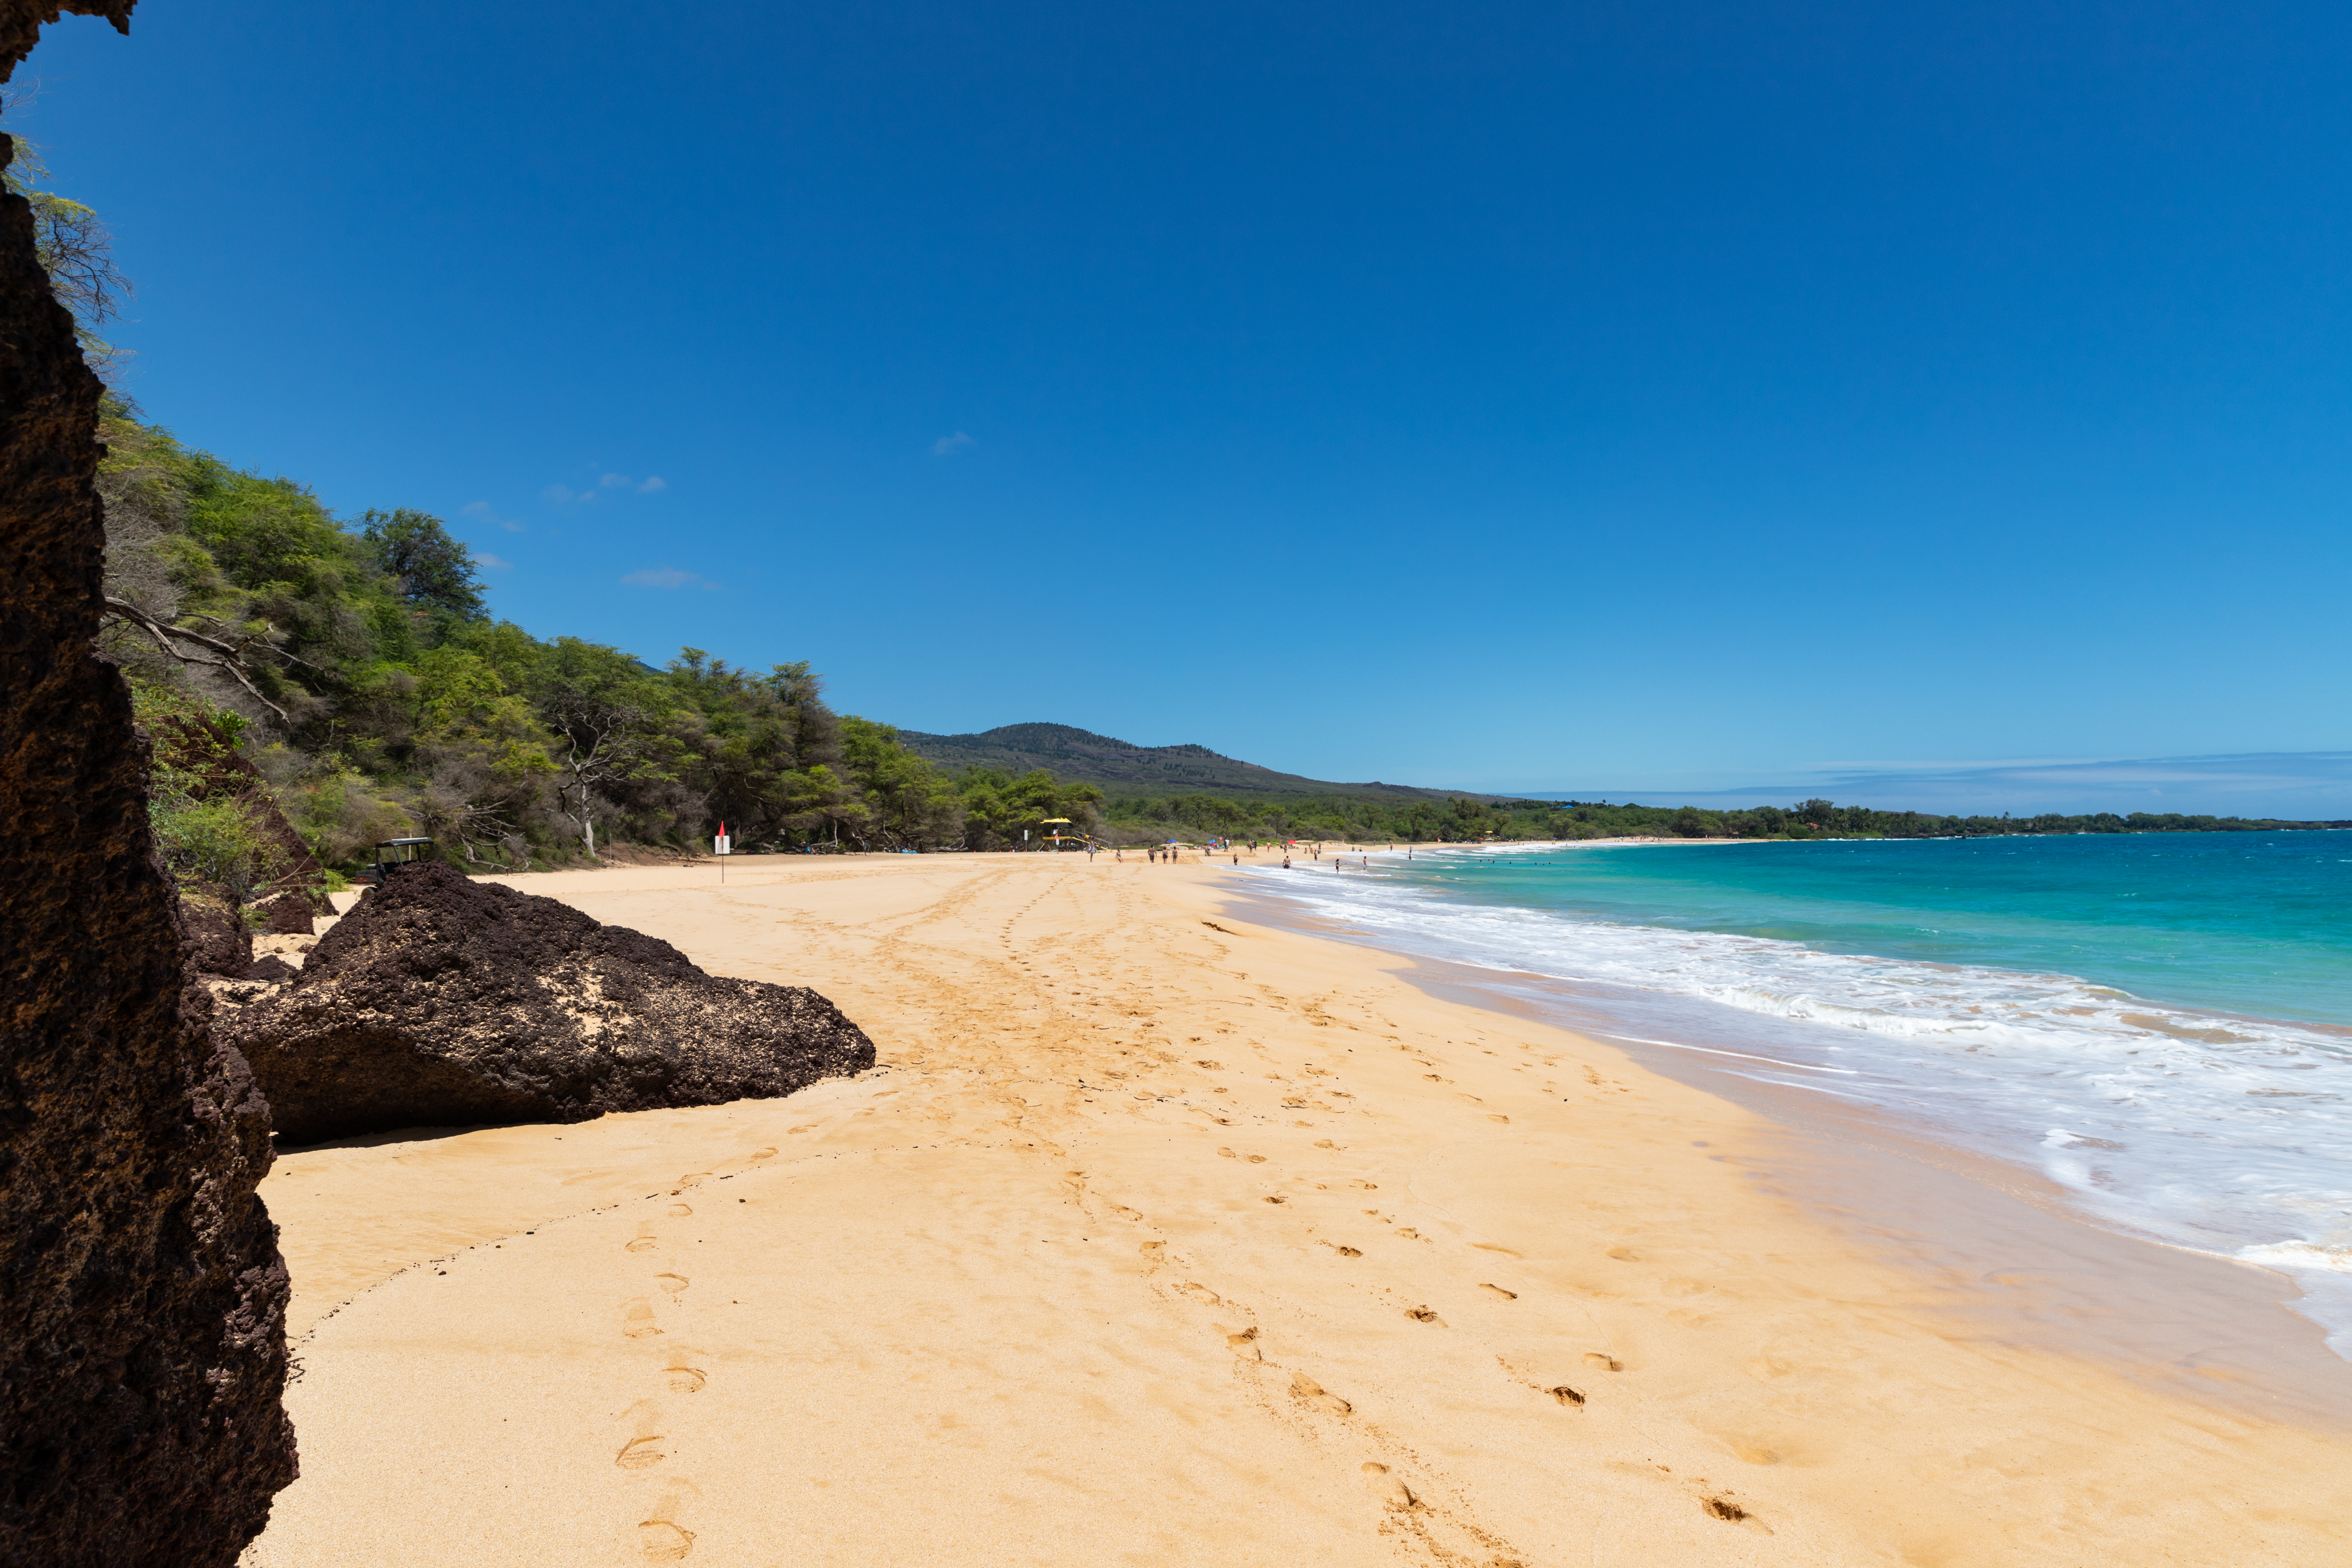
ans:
(1123, 769)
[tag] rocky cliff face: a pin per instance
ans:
(142, 1297)
(441, 1001)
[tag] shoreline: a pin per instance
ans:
(1008, 1296)
(1977, 1223)
(2217, 1178)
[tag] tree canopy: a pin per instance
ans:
(379, 695)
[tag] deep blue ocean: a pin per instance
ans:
(2160, 1023)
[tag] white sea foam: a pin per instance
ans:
(2223, 1133)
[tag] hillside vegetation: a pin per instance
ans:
(1463, 819)
(367, 681)
(1123, 769)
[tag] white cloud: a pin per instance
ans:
(559, 494)
(479, 511)
(653, 482)
(948, 446)
(484, 558)
(668, 577)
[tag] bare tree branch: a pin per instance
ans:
(232, 658)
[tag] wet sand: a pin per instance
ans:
(1161, 1235)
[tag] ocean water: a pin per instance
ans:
(2160, 1024)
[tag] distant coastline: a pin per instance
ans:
(1190, 791)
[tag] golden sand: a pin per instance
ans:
(1165, 1236)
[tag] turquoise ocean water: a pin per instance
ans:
(2162, 1024)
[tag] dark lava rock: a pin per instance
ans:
(143, 1301)
(271, 967)
(441, 1001)
(294, 912)
(217, 942)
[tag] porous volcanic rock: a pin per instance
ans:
(442, 1001)
(217, 942)
(142, 1347)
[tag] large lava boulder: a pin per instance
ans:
(441, 1001)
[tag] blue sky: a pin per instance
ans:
(1626, 397)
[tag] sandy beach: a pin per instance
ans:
(1162, 1234)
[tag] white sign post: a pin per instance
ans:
(722, 847)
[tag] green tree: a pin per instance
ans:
(435, 575)
(910, 804)
(999, 807)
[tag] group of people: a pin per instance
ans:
(1170, 853)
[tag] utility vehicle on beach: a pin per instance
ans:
(398, 854)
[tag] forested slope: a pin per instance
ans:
(1463, 820)
(358, 666)
(1123, 768)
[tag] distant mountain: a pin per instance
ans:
(1125, 769)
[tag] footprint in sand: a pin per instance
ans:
(1566, 1394)
(640, 1452)
(1243, 1342)
(1601, 1362)
(680, 1211)
(663, 1541)
(684, 1379)
(1392, 1491)
(644, 1241)
(648, 1447)
(1498, 1289)
(673, 1283)
(1307, 1391)
(637, 1320)
(1423, 1315)
(691, 1179)
(764, 1153)
(659, 1535)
